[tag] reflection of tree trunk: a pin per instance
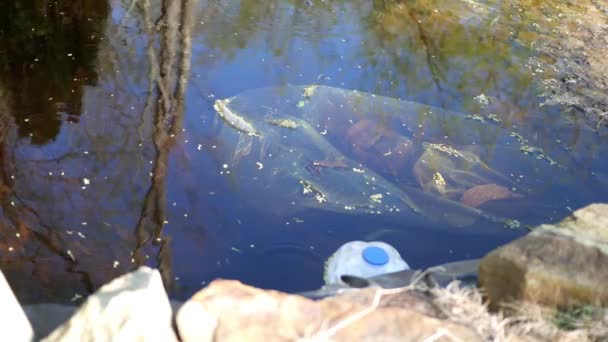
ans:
(169, 74)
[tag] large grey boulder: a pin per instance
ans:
(556, 265)
(14, 325)
(133, 307)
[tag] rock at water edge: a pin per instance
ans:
(244, 313)
(14, 325)
(557, 265)
(133, 307)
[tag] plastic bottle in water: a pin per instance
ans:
(363, 259)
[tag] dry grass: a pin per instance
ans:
(518, 322)
(465, 305)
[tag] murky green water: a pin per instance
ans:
(113, 155)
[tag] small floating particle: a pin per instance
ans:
(81, 235)
(199, 147)
(259, 165)
(358, 170)
(76, 297)
(86, 181)
(69, 253)
(236, 250)
(116, 263)
(377, 198)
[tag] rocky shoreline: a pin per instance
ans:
(548, 285)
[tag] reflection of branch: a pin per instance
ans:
(79, 155)
(168, 116)
(427, 49)
(23, 218)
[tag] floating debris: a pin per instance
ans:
(376, 198)
(71, 255)
(309, 91)
(232, 118)
(513, 224)
(445, 149)
(531, 150)
(476, 117)
(482, 99)
(308, 188)
(494, 118)
(76, 297)
(286, 123)
(439, 182)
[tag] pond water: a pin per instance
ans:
(113, 155)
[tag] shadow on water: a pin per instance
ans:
(47, 56)
(113, 156)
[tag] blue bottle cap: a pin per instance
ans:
(375, 256)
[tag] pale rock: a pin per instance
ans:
(556, 265)
(133, 307)
(245, 313)
(195, 322)
(14, 325)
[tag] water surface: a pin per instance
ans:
(111, 151)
